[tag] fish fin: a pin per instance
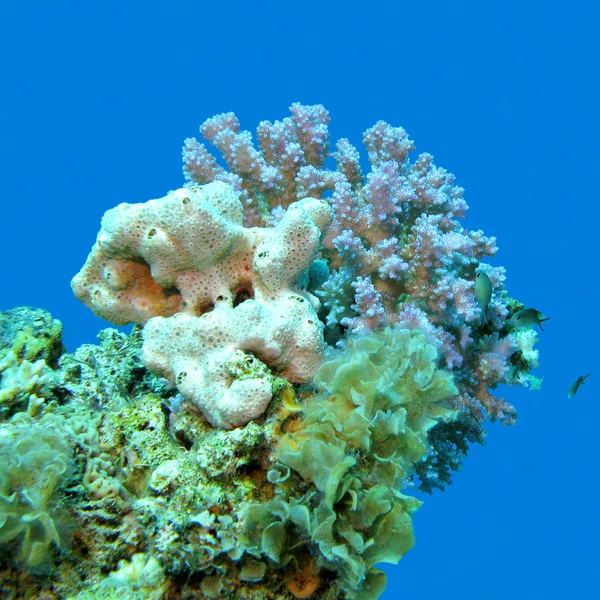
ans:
(540, 321)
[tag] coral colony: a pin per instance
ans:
(310, 343)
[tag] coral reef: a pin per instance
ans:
(307, 349)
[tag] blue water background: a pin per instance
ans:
(97, 97)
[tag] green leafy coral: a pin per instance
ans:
(354, 448)
(34, 462)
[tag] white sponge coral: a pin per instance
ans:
(206, 288)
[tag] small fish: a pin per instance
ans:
(483, 294)
(576, 385)
(528, 317)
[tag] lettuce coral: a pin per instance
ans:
(356, 445)
(34, 463)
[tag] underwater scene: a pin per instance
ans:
(286, 355)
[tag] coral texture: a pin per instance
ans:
(30, 344)
(357, 444)
(216, 293)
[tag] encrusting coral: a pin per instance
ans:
(30, 344)
(307, 348)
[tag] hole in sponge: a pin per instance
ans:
(243, 294)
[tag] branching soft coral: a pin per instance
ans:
(396, 252)
(449, 446)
